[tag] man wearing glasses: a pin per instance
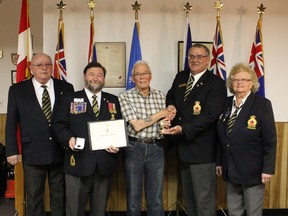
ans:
(143, 108)
(31, 106)
(198, 96)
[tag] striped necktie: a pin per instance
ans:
(46, 103)
(188, 87)
(232, 120)
(95, 106)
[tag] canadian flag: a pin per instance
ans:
(24, 52)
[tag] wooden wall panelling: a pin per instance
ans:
(2, 128)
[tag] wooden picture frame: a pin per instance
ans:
(13, 77)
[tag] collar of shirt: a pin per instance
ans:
(90, 94)
(39, 90)
(241, 104)
(197, 77)
(151, 90)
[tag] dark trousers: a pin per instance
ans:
(199, 188)
(34, 178)
(95, 188)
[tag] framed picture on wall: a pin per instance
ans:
(13, 77)
(180, 51)
(112, 55)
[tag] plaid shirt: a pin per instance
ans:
(135, 106)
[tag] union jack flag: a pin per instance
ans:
(217, 64)
(60, 71)
(92, 46)
(257, 59)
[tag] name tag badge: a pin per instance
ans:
(78, 99)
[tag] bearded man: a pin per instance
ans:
(87, 173)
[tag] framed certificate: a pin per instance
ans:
(103, 134)
(112, 55)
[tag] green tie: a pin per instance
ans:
(232, 119)
(188, 87)
(95, 105)
(46, 103)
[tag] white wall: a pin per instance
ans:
(162, 26)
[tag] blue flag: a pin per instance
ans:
(187, 45)
(135, 55)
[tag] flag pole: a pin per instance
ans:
(61, 6)
(256, 60)
(218, 6)
(261, 11)
(136, 7)
(187, 42)
(135, 51)
(91, 6)
(187, 7)
(217, 63)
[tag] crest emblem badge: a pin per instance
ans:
(197, 108)
(252, 122)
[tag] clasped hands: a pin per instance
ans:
(167, 120)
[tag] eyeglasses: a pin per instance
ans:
(145, 75)
(41, 65)
(197, 57)
(241, 80)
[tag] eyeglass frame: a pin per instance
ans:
(41, 65)
(145, 75)
(197, 57)
(242, 80)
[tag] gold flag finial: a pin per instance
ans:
(61, 6)
(187, 7)
(136, 6)
(261, 10)
(218, 5)
(91, 6)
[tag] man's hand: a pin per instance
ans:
(112, 149)
(14, 159)
(219, 170)
(173, 131)
(265, 177)
(172, 112)
(72, 143)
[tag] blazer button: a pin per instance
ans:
(50, 138)
(227, 145)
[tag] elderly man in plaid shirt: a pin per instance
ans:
(145, 112)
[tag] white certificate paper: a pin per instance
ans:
(103, 134)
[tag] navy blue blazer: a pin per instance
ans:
(39, 145)
(67, 125)
(250, 148)
(197, 115)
